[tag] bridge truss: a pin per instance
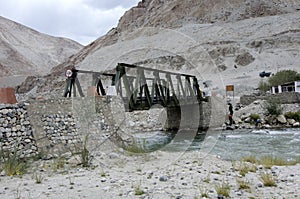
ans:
(142, 87)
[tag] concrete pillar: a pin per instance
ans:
(187, 116)
(279, 89)
(297, 86)
(273, 90)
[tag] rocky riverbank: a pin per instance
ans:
(254, 116)
(116, 173)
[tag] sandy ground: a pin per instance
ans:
(116, 173)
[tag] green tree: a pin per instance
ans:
(284, 76)
(264, 86)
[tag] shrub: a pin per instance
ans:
(272, 107)
(223, 189)
(243, 184)
(244, 169)
(293, 115)
(264, 86)
(252, 159)
(254, 117)
(268, 179)
(12, 165)
(284, 76)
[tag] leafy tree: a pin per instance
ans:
(264, 86)
(284, 76)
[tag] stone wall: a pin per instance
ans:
(55, 127)
(15, 131)
(284, 98)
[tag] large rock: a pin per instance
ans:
(291, 121)
(297, 124)
(281, 119)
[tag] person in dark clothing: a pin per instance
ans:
(230, 114)
(230, 109)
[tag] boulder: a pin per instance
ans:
(296, 124)
(247, 120)
(291, 121)
(281, 119)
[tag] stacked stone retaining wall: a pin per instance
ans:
(57, 126)
(16, 134)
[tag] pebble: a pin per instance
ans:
(163, 178)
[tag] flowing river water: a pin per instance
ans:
(229, 145)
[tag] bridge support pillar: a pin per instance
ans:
(188, 116)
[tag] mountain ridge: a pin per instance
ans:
(25, 51)
(256, 35)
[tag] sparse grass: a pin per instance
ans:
(12, 165)
(243, 184)
(38, 178)
(216, 172)
(18, 195)
(137, 148)
(58, 163)
(268, 180)
(245, 168)
(103, 173)
(85, 155)
(223, 189)
(203, 192)
(138, 190)
(251, 159)
(207, 179)
(269, 161)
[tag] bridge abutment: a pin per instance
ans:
(189, 116)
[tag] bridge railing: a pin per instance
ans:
(73, 84)
(141, 89)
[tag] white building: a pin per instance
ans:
(287, 87)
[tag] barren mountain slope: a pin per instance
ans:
(24, 51)
(227, 42)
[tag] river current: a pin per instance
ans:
(229, 145)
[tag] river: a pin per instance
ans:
(229, 145)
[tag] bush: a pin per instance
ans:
(268, 180)
(293, 115)
(272, 107)
(223, 189)
(264, 86)
(254, 117)
(12, 165)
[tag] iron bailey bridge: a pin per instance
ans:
(142, 88)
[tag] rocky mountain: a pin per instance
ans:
(24, 51)
(220, 41)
